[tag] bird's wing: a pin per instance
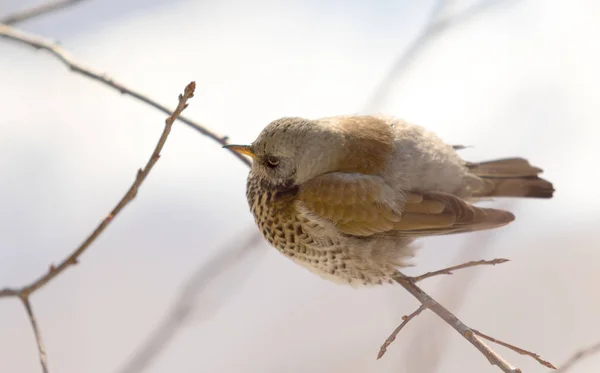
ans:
(364, 205)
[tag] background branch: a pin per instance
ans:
(38, 10)
(578, 356)
(435, 26)
(184, 305)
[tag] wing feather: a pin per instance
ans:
(364, 205)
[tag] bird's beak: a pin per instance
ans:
(241, 149)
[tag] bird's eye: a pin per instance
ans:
(272, 162)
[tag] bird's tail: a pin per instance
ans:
(510, 177)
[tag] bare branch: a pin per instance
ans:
(392, 337)
(38, 42)
(38, 10)
(449, 270)
(453, 293)
(468, 333)
(128, 197)
(415, 279)
(515, 349)
(578, 356)
(36, 332)
(24, 292)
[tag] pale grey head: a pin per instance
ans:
(290, 151)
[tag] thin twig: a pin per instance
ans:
(515, 349)
(578, 356)
(38, 10)
(36, 331)
(128, 197)
(38, 42)
(415, 279)
(392, 337)
(430, 303)
(450, 270)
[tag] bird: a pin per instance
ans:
(347, 196)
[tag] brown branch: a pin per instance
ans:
(24, 292)
(578, 356)
(515, 349)
(128, 197)
(453, 294)
(36, 332)
(38, 10)
(449, 270)
(405, 320)
(54, 49)
(468, 333)
(415, 279)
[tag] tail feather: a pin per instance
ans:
(510, 177)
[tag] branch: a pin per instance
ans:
(424, 353)
(449, 270)
(128, 197)
(415, 279)
(54, 49)
(392, 337)
(468, 333)
(37, 10)
(24, 292)
(578, 356)
(38, 42)
(515, 349)
(37, 333)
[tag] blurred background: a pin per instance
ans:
(180, 281)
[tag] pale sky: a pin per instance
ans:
(520, 79)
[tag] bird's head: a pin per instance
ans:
(290, 151)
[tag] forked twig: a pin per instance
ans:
(428, 302)
(128, 197)
(24, 292)
(415, 279)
